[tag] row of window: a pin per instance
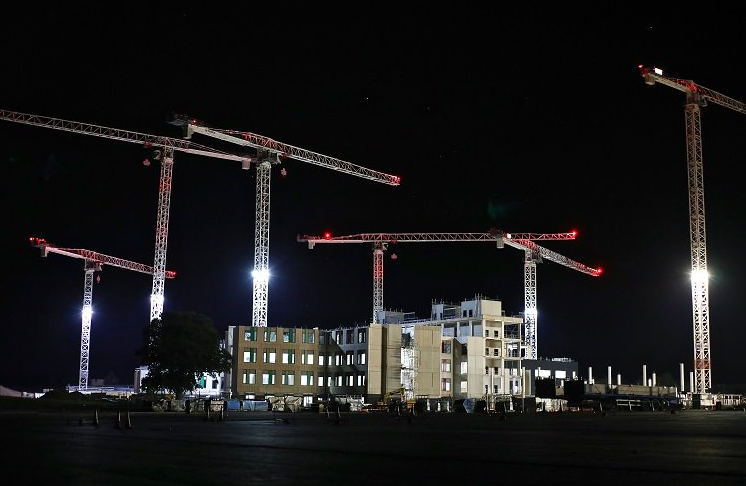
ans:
(268, 377)
(341, 336)
(345, 336)
(288, 335)
(307, 357)
(445, 386)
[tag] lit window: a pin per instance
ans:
(288, 336)
(464, 386)
(308, 336)
(321, 380)
(250, 334)
(288, 356)
(445, 365)
(361, 357)
(464, 367)
(350, 357)
(249, 356)
(270, 355)
(306, 357)
(249, 377)
(445, 384)
(306, 378)
(270, 335)
(321, 359)
(268, 378)
(361, 335)
(288, 378)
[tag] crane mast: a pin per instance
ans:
(522, 241)
(697, 96)
(168, 145)
(93, 262)
(270, 152)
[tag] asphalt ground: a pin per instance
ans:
(630, 448)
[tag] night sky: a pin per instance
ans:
(530, 119)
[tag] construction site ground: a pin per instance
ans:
(161, 448)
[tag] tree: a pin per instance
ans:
(178, 349)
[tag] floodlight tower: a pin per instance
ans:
(164, 148)
(270, 152)
(93, 262)
(522, 241)
(697, 96)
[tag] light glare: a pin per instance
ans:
(700, 275)
(87, 312)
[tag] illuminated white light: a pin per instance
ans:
(700, 276)
(261, 275)
(509, 236)
(87, 312)
(658, 71)
(531, 313)
(156, 299)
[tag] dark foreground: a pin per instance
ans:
(630, 448)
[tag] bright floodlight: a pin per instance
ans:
(658, 71)
(700, 276)
(262, 275)
(156, 299)
(87, 312)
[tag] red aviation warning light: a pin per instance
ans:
(327, 236)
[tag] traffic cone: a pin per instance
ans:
(118, 424)
(127, 422)
(95, 417)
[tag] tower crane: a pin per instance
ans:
(271, 152)
(168, 146)
(697, 96)
(93, 262)
(523, 241)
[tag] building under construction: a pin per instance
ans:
(470, 350)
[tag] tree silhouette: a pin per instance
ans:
(178, 349)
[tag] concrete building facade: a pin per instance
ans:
(466, 350)
(316, 364)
